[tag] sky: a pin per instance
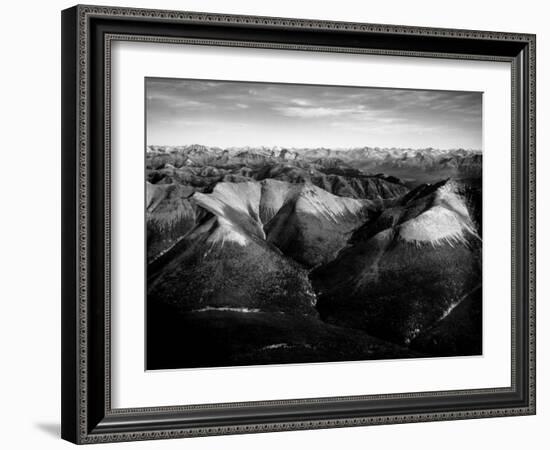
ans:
(234, 114)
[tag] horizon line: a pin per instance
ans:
(283, 147)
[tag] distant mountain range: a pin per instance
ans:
(412, 165)
(304, 252)
(352, 153)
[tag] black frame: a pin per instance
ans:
(87, 32)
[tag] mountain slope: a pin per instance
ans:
(312, 225)
(306, 223)
(237, 203)
(457, 332)
(233, 259)
(405, 268)
(219, 265)
(170, 213)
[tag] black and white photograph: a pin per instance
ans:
(292, 223)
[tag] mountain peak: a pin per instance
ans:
(447, 220)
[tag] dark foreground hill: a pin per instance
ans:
(225, 337)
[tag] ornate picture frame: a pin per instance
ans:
(88, 33)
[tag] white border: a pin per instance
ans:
(134, 387)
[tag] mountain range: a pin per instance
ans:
(413, 165)
(269, 255)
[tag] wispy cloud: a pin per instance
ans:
(246, 113)
(300, 102)
(320, 111)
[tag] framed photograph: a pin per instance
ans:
(278, 224)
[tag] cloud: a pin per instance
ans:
(302, 114)
(300, 102)
(318, 112)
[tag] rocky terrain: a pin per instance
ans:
(269, 255)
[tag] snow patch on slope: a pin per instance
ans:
(243, 197)
(436, 226)
(446, 222)
(236, 203)
(226, 232)
(446, 195)
(316, 201)
(227, 308)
